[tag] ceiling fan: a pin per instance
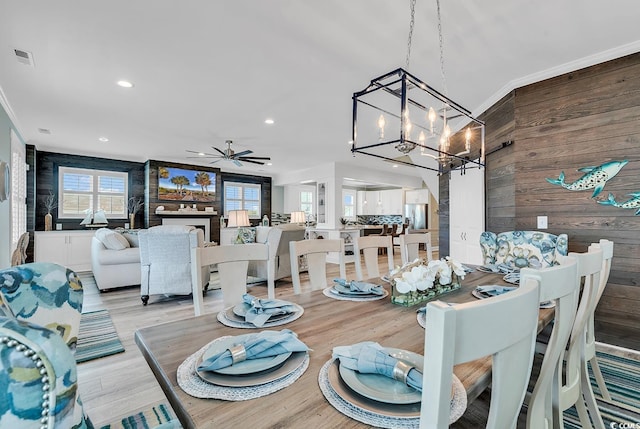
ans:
(229, 155)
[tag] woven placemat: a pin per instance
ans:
(458, 405)
(222, 318)
(192, 384)
(327, 292)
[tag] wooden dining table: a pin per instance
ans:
(326, 323)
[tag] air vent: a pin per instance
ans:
(44, 131)
(24, 57)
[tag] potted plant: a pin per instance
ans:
(134, 205)
(50, 202)
(344, 222)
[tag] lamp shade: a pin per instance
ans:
(297, 217)
(238, 218)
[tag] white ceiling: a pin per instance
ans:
(206, 71)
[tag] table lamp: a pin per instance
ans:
(238, 218)
(298, 217)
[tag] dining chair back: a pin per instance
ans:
(233, 262)
(590, 345)
(410, 246)
(503, 327)
(315, 251)
(369, 246)
(559, 284)
(576, 388)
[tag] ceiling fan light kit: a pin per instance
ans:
(229, 154)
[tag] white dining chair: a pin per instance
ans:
(369, 246)
(576, 387)
(590, 343)
(233, 262)
(503, 327)
(410, 246)
(315, 251)
(559, 284)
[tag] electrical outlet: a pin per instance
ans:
(543, 222)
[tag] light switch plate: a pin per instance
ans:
(543, 222)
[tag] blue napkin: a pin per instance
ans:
(262, 309)
(494, 289)
(356, 286)
(370, 358)
(260, 345)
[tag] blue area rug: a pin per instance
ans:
(152, 418)
(97, 337)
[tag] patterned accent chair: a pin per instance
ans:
(522, 249)
(38, 379)
(47, 295)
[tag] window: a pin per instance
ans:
(243, 196)
(18, 190)
(349, 204)
(81, 189)
(306, 202)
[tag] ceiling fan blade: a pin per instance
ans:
(266, 158)
(213, 162)
(221, 152)
(252, 162)
(236, 162)
(243, 153)
(204, 154)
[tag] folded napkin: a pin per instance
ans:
(370, 358)
(495, 289)
(260, 345)
(356, 286)
(506, 268)
(262, 309)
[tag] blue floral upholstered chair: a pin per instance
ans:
(521, 249)
(40, 309)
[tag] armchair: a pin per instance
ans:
(165, 260)
(523, 249)
(278, 239)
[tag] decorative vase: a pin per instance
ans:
(132, 220)
(48, 222)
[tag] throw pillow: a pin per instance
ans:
(246, 236)
(112, 240)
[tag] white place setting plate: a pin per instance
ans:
(241, 310)
(343, 290)
(513, 278)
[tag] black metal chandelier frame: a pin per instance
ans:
(409, 82)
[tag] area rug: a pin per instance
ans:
(97, 337)
(158, 415)
(622, 377)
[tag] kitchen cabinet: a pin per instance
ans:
(71, 249)
(392, 203)
(387, 202)
(417, 196)
(467, 214)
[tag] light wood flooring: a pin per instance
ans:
(120, 385)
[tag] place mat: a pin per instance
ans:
(458, 405)
(193, 385)
(232, 323)
(327, 292)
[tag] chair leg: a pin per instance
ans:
(600, 379)
(585, 421)
(589, 398)
(145, 299)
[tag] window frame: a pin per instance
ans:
(353, 194)
(95, 194)
(302, 204)
(242, 200)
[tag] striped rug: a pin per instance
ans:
(622, 377)
(160, 414)
(97, 337)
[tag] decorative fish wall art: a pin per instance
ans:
(594, 178)
(632, 203)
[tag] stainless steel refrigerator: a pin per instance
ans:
(417, 215)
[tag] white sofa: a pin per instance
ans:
(278, 238)
(165, 260)
(114, 263)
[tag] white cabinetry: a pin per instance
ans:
(71, 249)
(388, 202)
(466, 199)
(391, 202)
(417, 196)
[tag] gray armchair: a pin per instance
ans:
(165, 260)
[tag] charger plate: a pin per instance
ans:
(241, 310)
(228, 318)
(328, 292)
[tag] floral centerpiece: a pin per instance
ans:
(421, 281)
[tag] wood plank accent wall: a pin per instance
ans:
(579, 119)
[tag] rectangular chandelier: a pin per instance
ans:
(400, 119)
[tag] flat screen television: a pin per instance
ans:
(180, 184)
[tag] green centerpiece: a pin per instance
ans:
(421, 281)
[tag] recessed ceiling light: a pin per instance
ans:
(395, 165)
(350, 142)
(269, 121)
(200, 153)
(125, 84)
(103, 139)
(268, 163)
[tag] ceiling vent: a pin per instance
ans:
(44, 131)
(24, 57)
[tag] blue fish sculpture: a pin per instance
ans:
(594, 178)
(632, 203)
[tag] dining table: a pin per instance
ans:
(325, 324)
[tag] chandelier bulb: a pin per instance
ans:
(432, 118)
(422, 138)
(381, 124)
(447, 131)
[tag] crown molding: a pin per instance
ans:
(10, 113)
(600, 57)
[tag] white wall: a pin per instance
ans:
(277, 199)
(291, 197)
